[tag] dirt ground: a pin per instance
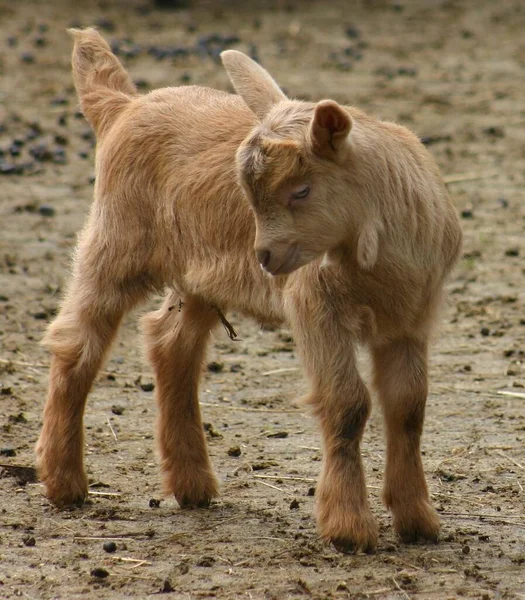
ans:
(452, 71)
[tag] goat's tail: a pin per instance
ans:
(103, 86)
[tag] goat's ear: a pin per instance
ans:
(255, 85)
(329, 127)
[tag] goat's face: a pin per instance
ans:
(294, 189)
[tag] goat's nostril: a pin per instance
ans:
(263, 256)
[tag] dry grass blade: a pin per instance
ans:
(284, 477)
(471, 176)
(278, 371)
(511, 394)
(271, 486)
(514, 462)
(112, 430)
(105, 494)
(244, 409)
(400, 588)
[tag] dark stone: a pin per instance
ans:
(352, 32)
(99, 573)
(105, 24)
(167, 588)
(59, 101)
(109, 547)
(234, 451)
(27, 57)
(46, 210)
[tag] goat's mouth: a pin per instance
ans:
(290, 262)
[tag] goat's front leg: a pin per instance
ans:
(401, 378)
(341, 402)
(177, 336)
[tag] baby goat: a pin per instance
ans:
(347, 212)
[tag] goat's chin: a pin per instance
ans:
(296, 261)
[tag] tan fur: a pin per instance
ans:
(319, 184)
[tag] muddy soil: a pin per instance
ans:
(452, 71)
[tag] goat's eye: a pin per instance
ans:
(302, 193)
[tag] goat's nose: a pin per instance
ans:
(263, 256)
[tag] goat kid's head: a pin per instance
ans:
(290, 168)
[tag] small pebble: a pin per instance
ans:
(465, 549)
(117, 409)
(352, 32)
(485, 331)
(167, 588)
(234, 451)
(61, 139)
(294, 504)
(99, 573)
(311, 491)
(512, 252)
(147, 387)
(215, 367)
(496, 132)
(46, 210)
(59, 156)
(40, 152)
(29, 541)
(206, 561)
(109, 547)
(40, 315)
(141, 84)
(105, 24)
(154, 503)
(14, 150)
(27, 57)
(7, 451)
(467, 213)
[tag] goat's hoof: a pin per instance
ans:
(64, 485)
(346, 546)
(420, 523)
(189, 502)
(351, 534)
(192, 491)
(65, 491)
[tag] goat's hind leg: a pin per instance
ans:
(401, 378)
(176, 337)
(88, 320)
